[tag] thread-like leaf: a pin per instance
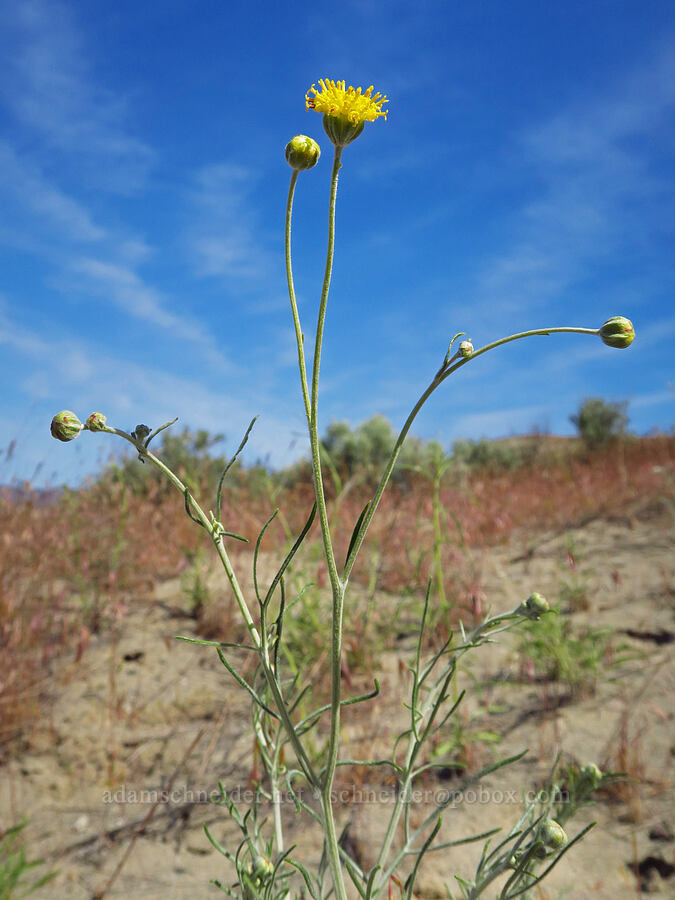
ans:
(227, 468)
(410, 881)
(247, 687)
(291, 553)
(257, 551)
(188, 497)
(357, 528)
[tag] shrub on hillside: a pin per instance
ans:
(499, 455)
(600, 422)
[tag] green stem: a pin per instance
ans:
(445, 370)
(337, 587)
(299, 337)
(438, 536)
(336, 584)
(270, 675)
(430, 708)
(276, 796)
(220, 547)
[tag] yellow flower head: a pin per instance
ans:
(345, 110)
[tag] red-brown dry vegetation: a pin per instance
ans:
(70, 568)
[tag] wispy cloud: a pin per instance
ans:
(653, 398)
(594, 162)
(124, 287)
(223, 227)
(48, 84)
(89, 377)
(23, 185)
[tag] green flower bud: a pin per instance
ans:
(302, 152)
(617, 332)
(552, 835)
(95, 422)
(591, 773)
(262, 868)
(534, 607)
(66, 426)
(465, 348)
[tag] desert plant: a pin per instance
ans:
(287, 726)
(556, 651)
(600, 421)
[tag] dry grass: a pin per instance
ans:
(71, 568)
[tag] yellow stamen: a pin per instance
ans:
(353, 105)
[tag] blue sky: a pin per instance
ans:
(524, 178)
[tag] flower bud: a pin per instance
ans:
(590, 773)
(552, 835)
(66, 426)
(534, 607)
(95, 422)
(302, 152)
(262, 868)
(617, 332)
(465, 349)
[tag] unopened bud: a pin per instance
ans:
(302, 152)
(617, 332)
(534, 607)
(66, 426)
(552, 835)
(95, 422)
(465, 348)
(592, 774)
(262, 868)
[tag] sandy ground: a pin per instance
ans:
(144, 722)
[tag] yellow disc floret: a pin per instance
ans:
(345, 110)
(355, 105)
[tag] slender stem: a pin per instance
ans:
(220, 547)
(445, 370)
(313, 418)
(299, 337)
(438, 535)
(337, 588)
(270, 675)
(276, 796)
(367, 519)
(430, 707)
(564, 329)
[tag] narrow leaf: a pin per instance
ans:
(229, 466)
